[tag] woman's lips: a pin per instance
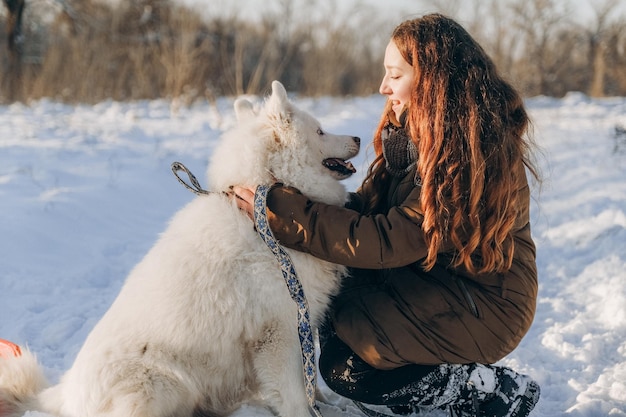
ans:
(396, 106)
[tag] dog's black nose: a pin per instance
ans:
(356, 140)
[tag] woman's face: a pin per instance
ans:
(398, 79)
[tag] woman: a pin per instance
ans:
(443, 277)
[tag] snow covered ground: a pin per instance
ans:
(85, 190)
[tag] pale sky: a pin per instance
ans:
(396, 9)
(582, 9)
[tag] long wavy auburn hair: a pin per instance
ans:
(469, 126)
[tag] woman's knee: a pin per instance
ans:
(342, 370)
(333, 363)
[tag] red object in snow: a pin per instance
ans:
(9, 349)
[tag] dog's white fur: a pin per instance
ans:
(205, 322)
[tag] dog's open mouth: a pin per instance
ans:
(340, 167)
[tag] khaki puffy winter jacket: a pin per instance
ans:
(390, 311)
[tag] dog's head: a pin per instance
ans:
(280, 142)
(303, 135)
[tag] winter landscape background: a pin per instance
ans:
(85, 191)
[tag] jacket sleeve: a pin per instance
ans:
(342, 235)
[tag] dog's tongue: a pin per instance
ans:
(339, 165)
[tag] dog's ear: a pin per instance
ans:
(278, 105)
(243, 109)
(279, 92)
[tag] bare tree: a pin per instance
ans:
(14, 24)
(598, 38)
(447, 7)
(158, 48)
(490, 23)
(12, 81)
(616, 58)
(539, 22)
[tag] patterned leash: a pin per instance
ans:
(297, 295)
(195, 186)
(305, 331)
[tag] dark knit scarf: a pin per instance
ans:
(398, 149)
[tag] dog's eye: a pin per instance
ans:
(320, 131)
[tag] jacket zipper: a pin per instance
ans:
(468, 297)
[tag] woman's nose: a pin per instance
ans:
(384, 88)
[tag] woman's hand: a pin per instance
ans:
(244, 197)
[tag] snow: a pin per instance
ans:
(85, 191)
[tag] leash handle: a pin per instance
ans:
(305, 331)
(195, 186)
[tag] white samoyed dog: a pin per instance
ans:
(205, 322)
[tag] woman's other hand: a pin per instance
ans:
(244, 197)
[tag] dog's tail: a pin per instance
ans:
(21, 379)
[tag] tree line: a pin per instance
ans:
(90, 50)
